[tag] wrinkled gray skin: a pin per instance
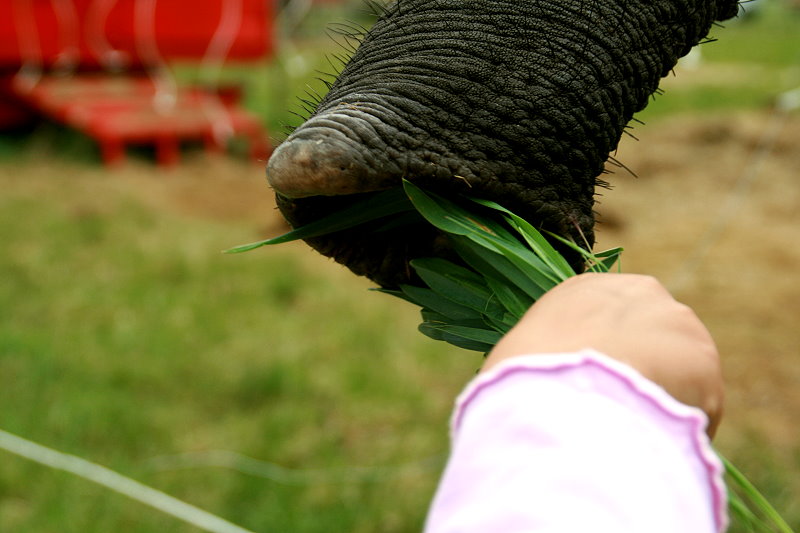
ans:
(517, 101)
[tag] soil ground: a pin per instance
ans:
(714, 213)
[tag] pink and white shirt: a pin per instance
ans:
(574, 443)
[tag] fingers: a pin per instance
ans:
(633, 319)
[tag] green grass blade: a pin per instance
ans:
(744, 517)
(247, 247)
(433, 210)
(751, 493)
(396, 294)
(515, 302)
(447, 268)
(534, 238)
(451, 217)
(606, 260)
(598, 262)
(458, 285)
(515, 251)
(492, 264)
(429, 315)
(455, 220)
(480, 335)
(615, 252)
(502, 325)
(446, 307)
(525, 259)
(527, 262)
(589, 256)
(374, 207)
(547, 253)
(436, 333)
(435, 318)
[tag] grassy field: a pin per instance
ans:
(754, 58)
(126, 336)
(272, 388)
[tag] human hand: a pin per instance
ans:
(633, 319)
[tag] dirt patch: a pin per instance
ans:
(203, 186)
(219, 188)
(714, 213)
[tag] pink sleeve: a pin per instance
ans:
(576, 442)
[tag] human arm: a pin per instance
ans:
(631, 318)
(570, 439)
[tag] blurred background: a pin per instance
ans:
(271, 388)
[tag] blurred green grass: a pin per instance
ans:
(125, 334)
(126, 337)
(755, 58)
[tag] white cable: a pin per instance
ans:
(30, 72)
(69, 35)
(96, 17)
(293, 14)
(292, 476)
(211, 65)
(144, 16)
(117, 482)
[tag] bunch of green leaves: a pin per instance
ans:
(506, 265)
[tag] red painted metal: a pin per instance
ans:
(118, 111)
(121, 109)
(183, 29)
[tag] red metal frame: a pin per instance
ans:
(183, 29)
(120, 109)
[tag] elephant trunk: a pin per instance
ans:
(518, 101)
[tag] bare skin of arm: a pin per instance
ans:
(633, 319)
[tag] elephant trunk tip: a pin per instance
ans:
(317, 166)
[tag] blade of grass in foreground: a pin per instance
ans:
(378, 206)
(437, 333)
(495, 266)
(756, 499)
(595, 262)
(429, 299)
(535, 240)
(487, 233)
(459, 285)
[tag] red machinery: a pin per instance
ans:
(99, 66)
